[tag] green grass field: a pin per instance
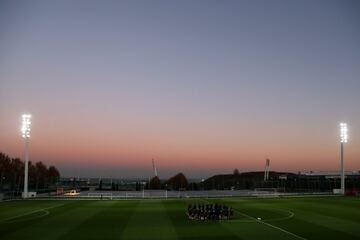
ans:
(282, 218)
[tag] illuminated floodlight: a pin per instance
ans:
(25, 130)
(343, 139)
(343, 133)
(26, 122)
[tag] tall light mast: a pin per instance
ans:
(267, 170)
(154, 168)
(25, 130)
(343, 139)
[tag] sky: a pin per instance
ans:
(203, 87)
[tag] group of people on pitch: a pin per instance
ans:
(209, 212)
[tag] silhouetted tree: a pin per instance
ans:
(155, 183)
(41, 174)
(53, 175)
(236, 171)
(12, 174)
(178, 181)
(32, 175)
(17, 167)
(5, 167)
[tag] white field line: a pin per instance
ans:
(281, 218)
(291, 215)
(19, 219)
(7, 200)
(267, 224)
(272, 226)
(28, 213)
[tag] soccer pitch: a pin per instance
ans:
(281, 218)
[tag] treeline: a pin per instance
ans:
(41, 177)
(177, 182)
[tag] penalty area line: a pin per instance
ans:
(265, 223)
(272, 226)
(10, 219)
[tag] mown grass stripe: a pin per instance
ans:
(149, 221)
(191, 229)
(108, 222)
(315, 218)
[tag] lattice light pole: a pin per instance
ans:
(25, 129)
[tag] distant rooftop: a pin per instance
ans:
(329, 173)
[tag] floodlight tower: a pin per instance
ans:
(343, 139)
(267, 170)
(154, 168)
(25, 129)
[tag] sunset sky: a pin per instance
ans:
(202, 86)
